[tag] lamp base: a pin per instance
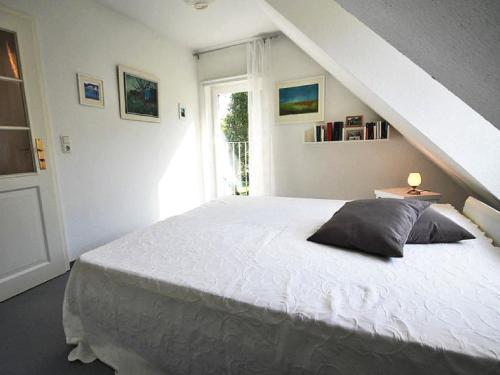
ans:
(413, 191)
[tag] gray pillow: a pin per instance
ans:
(432, 227)
(377, 226)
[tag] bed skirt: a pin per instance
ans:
(137, 330)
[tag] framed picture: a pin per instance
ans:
(90, 90)
(139, 95)
(353, 134)
(300, 101)
(352, 121)
(182, 111)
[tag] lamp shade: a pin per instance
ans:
(414, 179)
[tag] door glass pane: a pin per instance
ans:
(12, 111)
(15, 152)
(232, 150)
(9, 66)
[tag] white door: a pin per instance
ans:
(32, 248)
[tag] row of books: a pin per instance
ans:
(336, 131)
(377, 130)
(332, 131)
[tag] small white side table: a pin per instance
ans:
(402, 193)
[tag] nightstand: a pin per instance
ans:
(402, 193)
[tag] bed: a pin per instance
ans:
(233, 287)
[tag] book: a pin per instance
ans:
(370, 132)
(317, 133)
(329, 132)
(338, 131)
(384, 132)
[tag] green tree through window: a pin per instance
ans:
(235, 124)
(235, 129)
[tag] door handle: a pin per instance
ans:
(40, 150)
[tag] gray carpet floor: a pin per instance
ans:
(32, 337)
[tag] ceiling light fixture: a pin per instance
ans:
(198, 4)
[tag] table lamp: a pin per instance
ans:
(414, 180)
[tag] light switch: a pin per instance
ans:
(65, 143)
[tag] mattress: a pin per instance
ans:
(233, 287)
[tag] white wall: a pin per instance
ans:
(342, 171)
(121, 175)
(227, 62)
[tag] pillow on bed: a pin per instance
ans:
(377, 226)
(432, 227)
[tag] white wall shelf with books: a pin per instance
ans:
(355, 141)
(337, 132)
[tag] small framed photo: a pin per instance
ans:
(139, 95)
(181, 108)
(352, 121)
(90, 90)
(354, 134)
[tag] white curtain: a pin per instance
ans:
(260, 117)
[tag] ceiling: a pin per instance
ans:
(457, 42)
(222, 22)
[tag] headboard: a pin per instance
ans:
(485, 216)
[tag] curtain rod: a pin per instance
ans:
(202, 51)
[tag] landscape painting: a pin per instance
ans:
(139, 95)
(300, 100)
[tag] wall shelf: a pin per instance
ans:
(373, 132)
(353, 141)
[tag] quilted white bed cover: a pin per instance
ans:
(233, 287)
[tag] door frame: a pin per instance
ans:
(209, 129)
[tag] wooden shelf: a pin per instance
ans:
(402, 193)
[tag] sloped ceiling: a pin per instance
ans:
(439, 123)
(457, 42)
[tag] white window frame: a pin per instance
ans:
(211, 133)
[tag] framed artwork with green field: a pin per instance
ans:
(139, 95)
(300, 101)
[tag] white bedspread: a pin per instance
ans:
(233, 287)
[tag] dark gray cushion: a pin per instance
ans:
(432, 227)
(378, 226)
